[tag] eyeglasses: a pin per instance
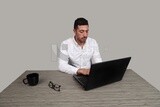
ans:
(56, 87)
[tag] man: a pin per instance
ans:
(79, 52)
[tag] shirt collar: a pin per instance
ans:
(75, 42)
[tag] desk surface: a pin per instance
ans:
(131, 91)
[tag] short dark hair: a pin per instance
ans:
(80, 21)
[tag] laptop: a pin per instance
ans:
(103, 73)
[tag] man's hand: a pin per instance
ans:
(83, 71)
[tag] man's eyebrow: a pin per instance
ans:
(84, 30)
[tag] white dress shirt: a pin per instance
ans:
(73, 57)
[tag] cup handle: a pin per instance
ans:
(25, 81)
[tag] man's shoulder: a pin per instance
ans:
(69, 40)
(91, 40)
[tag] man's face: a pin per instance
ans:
(81, 33)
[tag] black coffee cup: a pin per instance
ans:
(31, 79)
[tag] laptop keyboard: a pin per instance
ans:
(83, 79)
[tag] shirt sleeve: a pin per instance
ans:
(96, 54)
(63, 60)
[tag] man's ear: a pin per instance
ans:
(74, 30)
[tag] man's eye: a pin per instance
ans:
(81, 31)
(87, 31)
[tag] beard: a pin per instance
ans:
(80, 40)
(83, 40)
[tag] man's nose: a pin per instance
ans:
(85, 34)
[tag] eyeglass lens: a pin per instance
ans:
(56, 87)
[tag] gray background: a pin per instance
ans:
(31, 30)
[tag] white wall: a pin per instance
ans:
(122, 28)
